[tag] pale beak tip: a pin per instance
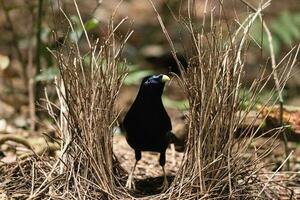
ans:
(165, 78)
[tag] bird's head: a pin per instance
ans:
(154, 84)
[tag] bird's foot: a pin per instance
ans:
(165, 185)
(130, 183)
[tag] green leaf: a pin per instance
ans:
(261, 38)
(75, 20)
(280, 29)
(91, 24)
(48, 74)
(285, 29)
(78, 30)
(291, 27)
(296, 18)
(276, 45)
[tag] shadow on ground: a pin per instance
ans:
(149, 186)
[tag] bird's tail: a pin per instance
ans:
(173, 139)
(178, 143)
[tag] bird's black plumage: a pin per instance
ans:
(147, 123)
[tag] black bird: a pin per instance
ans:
(147, 124)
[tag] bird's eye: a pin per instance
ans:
(153, 80)
(147, 82)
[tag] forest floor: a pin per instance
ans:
(148, 173)
(149, 177)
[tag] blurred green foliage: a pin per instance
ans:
(47, 74)
(175, 104)
(89, 25)
(74, 36)
(260, 99)
(285, 29)
(136, 74)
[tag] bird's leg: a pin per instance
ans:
(130, 183)
(172, 146)
(162, 161)
(165, 184)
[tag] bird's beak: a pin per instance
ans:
(165, 78)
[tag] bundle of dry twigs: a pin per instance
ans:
(87, 88)
(214, 164)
